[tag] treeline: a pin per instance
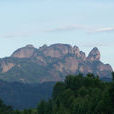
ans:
(80, 95)
(76, 95)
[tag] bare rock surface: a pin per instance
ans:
(51, 63)
(24, 52)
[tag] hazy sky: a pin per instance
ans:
(85, 23)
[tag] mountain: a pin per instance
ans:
(51, 63)
(24, 96)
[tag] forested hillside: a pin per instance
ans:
(80, 95)
(24, 96)
(76, 95)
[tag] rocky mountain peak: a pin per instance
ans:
(43, 47)
(94, 55)
(29, 46)
(75, 48)
(24, 52)
(82, 55)
(76, 51)
(57, 50)
(59, 59)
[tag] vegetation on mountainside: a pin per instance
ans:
(24, 96)
(80, 95)
(77, 95)
(25, 71)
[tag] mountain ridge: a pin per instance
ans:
(51, 63)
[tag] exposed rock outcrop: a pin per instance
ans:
(94, 55)
(25, 52)
(6, 66)
(52, 63)
(57, 50)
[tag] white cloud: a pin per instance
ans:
(85, 28)
(105, 29)
(68, 28)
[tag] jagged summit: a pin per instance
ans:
(51, 63)
(56, 51)
(94, 55)
(29, 46)
(24, 52)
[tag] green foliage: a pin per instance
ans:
(5, 109)
(111, 94)
(113, 76)
(81, 95)
(58, 88)
(76, 95)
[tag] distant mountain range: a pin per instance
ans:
(24, 96)
(51, 63)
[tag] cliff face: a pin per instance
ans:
(51, 63)
(94, 55)
(25, 52)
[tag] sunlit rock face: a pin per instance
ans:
(25, 52)
(57, 50)
(51, 63)
(6, 66)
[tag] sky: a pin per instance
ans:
(84, 23)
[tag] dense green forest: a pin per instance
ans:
(76, 95)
